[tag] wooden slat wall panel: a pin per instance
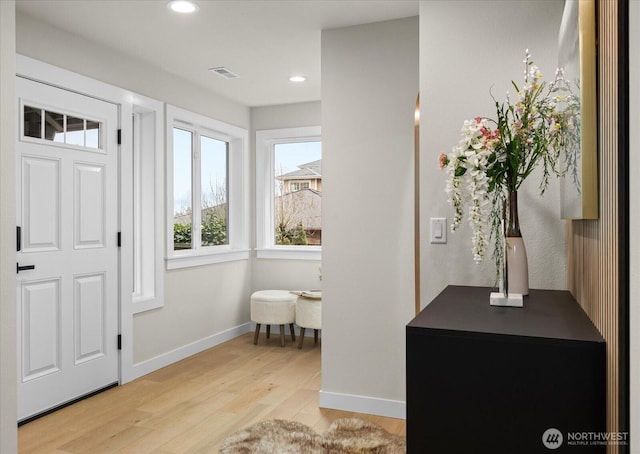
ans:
(592, 246)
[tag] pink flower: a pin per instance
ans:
(443, 161)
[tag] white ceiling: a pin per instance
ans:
(263, 41)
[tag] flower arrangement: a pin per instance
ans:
(495, 156)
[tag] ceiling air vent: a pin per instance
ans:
(224, 72)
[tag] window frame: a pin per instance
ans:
(237, 225)
(265, 193)
(67, 113)
(147, 167)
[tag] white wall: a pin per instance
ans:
(634, 212)
(200, 302)
(467, 48)
(281, 274)
(369, 88)
(60, 48)
(285, 116)
(8, 390)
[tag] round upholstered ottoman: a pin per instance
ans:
(309, 315)
(273, 307)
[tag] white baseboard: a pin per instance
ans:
(364, 404)
(153, 364)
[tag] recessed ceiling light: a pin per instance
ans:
(182, 6)
(297, 78)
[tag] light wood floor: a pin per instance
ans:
(193, 405)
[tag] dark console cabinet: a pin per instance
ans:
(483, 379)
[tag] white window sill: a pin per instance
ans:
(198, 259)
(143, 304)
(291, 253)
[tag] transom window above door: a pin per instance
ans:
(53, 126)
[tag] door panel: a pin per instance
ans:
(41, 328)
(89, 215)
(67, 188)
(89, 305)
(41, 208)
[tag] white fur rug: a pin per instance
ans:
(344, 436)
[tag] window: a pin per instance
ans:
(212, 205)
(205, 190)
(299, 185)
(147, 205)
(289, 193)
(42, 124)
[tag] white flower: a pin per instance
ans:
(544, 120)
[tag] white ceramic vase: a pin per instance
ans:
(517, 267)
(516, 253)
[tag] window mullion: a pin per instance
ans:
(271, 213)
(196, 236)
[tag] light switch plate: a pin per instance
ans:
(438, 230)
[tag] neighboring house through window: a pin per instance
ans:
(289, 198)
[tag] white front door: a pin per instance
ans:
(67, 216)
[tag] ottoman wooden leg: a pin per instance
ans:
(255, 336)
(301, 337)
(268, 331)
(315, 336)
(293, 333)
(281, 335)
